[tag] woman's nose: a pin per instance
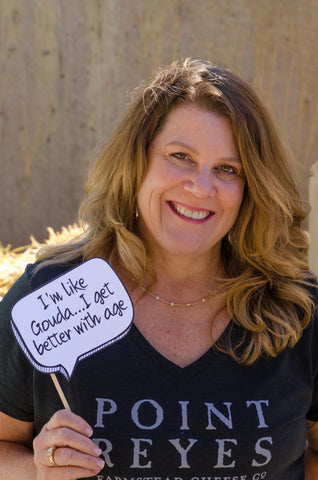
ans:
(200, 184)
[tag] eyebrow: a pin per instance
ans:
(188, 147)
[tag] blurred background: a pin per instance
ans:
(67, 67)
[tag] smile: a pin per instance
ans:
(189, 213)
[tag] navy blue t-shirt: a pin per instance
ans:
(212, 420)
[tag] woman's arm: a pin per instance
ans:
(16, 456)
(312, 451)
(76, 455)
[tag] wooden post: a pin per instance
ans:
(313, 218)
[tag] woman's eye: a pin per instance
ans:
(182, 157)
(179, 155)
(227, 170)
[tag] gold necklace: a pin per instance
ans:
(174, 304)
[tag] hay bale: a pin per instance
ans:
(13, 261)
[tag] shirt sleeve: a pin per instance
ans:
(313, 411)
(16, 373)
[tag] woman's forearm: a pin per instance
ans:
(16, 461)
(311, 464)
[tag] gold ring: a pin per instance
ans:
(50, 454)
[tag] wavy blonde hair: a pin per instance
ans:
(265, 253)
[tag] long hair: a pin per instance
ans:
(264, 254)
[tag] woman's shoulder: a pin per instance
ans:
(19, 289)
(34, 276)
(40, 273)
(312, 285)
(312, 289)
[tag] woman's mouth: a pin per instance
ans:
(191, 214)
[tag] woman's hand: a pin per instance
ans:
(75, 455)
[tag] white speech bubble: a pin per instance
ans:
(72, 317)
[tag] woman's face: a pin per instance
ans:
(193, 189)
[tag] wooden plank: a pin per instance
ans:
(67, 66)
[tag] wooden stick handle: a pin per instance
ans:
(60, 391)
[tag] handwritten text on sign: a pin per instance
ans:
(72, 317)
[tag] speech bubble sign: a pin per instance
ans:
(72, 317)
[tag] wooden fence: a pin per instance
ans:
(66, 67)
(313, 217)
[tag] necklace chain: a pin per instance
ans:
(175, 304)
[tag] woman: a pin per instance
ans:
(193, 204)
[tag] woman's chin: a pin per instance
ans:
(189, 250)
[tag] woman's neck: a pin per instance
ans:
(179, 276)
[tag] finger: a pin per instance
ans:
(73, 436)
(65, 437)
(70, 457)
(65, 442)
(69, 473)
(66, 418)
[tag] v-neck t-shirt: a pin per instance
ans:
(211, 420)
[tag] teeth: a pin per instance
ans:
(194, 214)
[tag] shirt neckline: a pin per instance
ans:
(189, 371)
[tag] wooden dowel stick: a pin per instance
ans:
(60, 391)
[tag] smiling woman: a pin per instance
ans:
(193, 203)
(190, 198)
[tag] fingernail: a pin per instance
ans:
(97, 451)
(88, 431)
(100, 462)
